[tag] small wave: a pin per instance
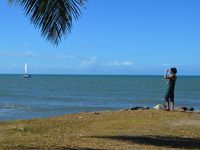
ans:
(5, 107)
(8, 106)
(10, 111)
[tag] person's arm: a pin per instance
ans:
(166, 76)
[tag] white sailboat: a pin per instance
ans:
(26, 75)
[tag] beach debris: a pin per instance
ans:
(159, 107)
(21, 129)
(182, 109)
(124, 109)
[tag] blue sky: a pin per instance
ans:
(111, 37)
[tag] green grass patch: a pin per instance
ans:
(142, 129)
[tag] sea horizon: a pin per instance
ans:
(183, 75)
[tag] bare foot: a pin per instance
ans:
(167, 109)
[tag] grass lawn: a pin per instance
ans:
(117, 130)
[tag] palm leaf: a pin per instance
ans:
(53, 17)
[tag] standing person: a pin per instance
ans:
(169, 97)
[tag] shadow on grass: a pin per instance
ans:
(52, 148)
(162, 141)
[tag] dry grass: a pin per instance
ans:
(145, 129)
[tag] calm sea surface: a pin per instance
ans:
(53, 95)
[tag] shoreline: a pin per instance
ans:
(177, 109)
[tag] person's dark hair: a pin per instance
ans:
(174, 70)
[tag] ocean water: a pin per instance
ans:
(53, 95)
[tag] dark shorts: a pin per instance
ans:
(169, 98)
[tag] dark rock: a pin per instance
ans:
(181, 109)
(96, 113)
(184, 109)
(191, 109)
(147, 108)
(139, 108)
(135, 108)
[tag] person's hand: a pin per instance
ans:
(167, 70)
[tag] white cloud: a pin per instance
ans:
(91, 61)
(60, 56)
(19, 54)
(95, 46)
(119, 63)
(14, 65)
(166, 64)
(127, 63)
(26, 44)
(95, 62)
(29, 53)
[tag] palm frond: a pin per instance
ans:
(53, 17)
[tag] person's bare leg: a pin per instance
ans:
(167, 103)
(172, 103)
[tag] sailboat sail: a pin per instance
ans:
(26, 75)
(26, 68)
